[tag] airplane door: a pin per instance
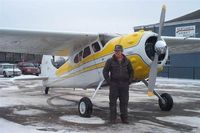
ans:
(80, 79)
(90, 67)
(96, 48)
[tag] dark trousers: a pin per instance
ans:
(119, 90)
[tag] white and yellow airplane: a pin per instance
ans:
(87, 54)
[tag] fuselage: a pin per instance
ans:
(84, 67)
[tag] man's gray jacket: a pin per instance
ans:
(119, 72)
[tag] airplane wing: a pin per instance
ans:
(38, 42)
(182, 44)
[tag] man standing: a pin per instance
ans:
(118, 73)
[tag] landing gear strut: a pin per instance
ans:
(85, 106)
(165, 100)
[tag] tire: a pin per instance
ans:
(167, 106)
(4, 74)
(85, 107)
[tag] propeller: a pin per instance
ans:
(160, 48)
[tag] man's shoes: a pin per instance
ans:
(124, 119)
(125, 122)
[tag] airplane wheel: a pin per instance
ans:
(46, 90)
(85, 107)
(167, 106)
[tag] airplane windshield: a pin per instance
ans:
(105, 38)
(58, 61)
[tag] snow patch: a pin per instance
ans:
(24, 76)
(10, 88)
(196, 111)
(14, 100)
(179, 90)
(185, 120)
(178, 81)
(158, 84)
(29, 112)
(81, 120)
(32, 86)
(61, 102)
(11, 127)
(181, 99)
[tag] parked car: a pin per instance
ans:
(28, 68)
(8, 70)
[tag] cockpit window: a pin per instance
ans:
(104, 39)
(58, 61)
(76, 59)
(80, 55)
(96, 47)
(86, 52)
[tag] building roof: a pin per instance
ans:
(188, 18)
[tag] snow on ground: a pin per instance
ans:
(190, 110)
(29, 112)
(185, 120)
(182, 99)
(11, 127)
(23, 76)
(151, 128)
(31, 94)
(10, 88)
(81, 120)
(57, 101)
(174, 82)
(13, 100)
(178, 90)
(178, 81)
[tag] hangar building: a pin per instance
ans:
(180, 65)
(7, 57)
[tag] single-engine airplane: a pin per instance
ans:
(87, 54)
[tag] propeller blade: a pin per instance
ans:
(162, 20)
(153, 75)
(154, 65)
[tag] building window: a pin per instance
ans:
(17, 57)
(2, 56)
(168, 61)
(9, 57)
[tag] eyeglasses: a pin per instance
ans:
(118, 51)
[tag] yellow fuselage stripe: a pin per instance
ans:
(126, 40)
(141, 69)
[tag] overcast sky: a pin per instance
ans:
(90, 16)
